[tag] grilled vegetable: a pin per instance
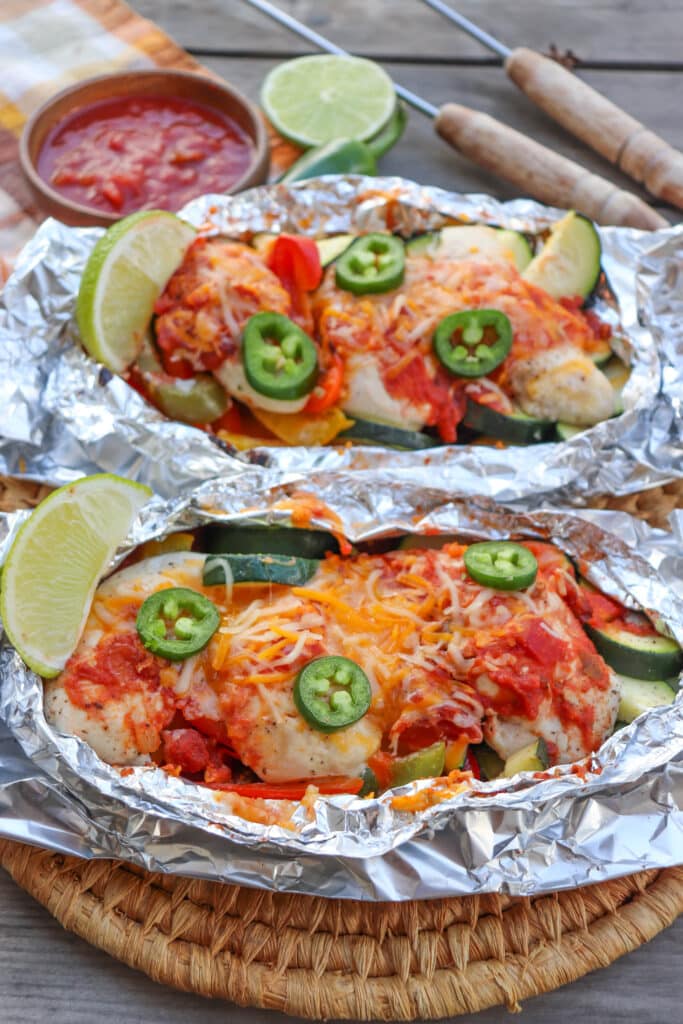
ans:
(515, 428)
(473, 241)
(532, 758)
(646, 655)
(569, 262)
(176, 622)
(332, 693)
(274, 540)
(423, 764)
(387, 435)
(473, 342)
(285, 569)
(639, 695)
(374, 263)
(280, 360)
(501, 564)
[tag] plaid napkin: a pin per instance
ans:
(46, 45)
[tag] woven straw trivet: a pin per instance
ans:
(341, 959)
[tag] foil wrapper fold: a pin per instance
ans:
(521, 835)
(62, 415)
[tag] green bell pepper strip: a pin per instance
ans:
(473, 342)
(176, 623)
(374, 263)
(280, 360)
(332, 693)
(423, 764)
(340, 156)
(501, 564)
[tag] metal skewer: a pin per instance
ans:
(585, 113)
(532, 168)
(322, 43)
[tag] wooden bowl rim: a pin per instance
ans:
(258, 166)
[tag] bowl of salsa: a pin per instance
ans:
(112, 145)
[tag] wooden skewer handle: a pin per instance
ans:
(599, 123)
(539, 172)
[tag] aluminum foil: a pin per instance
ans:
(521, 836)
(62, 415)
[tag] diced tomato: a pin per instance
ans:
(381, 764)
(292, 790)
(328, 389)
(546, 648)
(186, 748)
(231, 420)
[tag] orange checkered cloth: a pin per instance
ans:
(46, 45)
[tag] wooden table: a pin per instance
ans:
(632, 51)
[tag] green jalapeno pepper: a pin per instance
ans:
(423, 764)
(473, 342)
(331, 693)
(501, 564)
(177, 622)
(280, 360)
(374, 263)
(340, 156)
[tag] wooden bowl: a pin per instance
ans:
(210, 92)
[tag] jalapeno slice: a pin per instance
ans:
(373, 263)
(332, 692)
(473, 342)
(176, 623)
(280, 360)
(501, 564)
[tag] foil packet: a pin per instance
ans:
(63, 415)
(524, 835)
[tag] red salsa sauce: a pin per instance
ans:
(144, 152)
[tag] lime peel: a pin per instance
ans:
(125, 274)
(55, 563)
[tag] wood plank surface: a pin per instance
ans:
(47, 974)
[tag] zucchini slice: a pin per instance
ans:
(490, 765)
(286, 569)
(565, 431)
(569, 262)
(272, 540)
(642, 656)
(517, 428)
(473, 241)
(639, 695)
(328, 248)
(387, 436)
(532, 758)
(423, 764)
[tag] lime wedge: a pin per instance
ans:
(55, 562)
(127, 271)
(312, 100)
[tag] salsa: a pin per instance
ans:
(144, 152)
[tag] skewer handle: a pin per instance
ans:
(599, 123)
(539, 172)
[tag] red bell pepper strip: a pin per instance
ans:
(296, 261)
(328, 389)
(291, 790)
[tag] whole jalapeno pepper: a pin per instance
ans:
(280, 360)
(501, 564)
(332, 693)
(473, 342)
(374, 263)
(177, 622)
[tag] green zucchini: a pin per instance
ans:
(565, 431)
(471, 241)
(423, 764)
(490, 765)
(516, 428)
(569, 262)
(639, 695)
(244, 539)
(328, 248)
(532, 758)
(387, 436)
(650, 656)
(286, 569)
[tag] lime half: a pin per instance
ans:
(312, 100)
(127, 271)
(55, 562)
